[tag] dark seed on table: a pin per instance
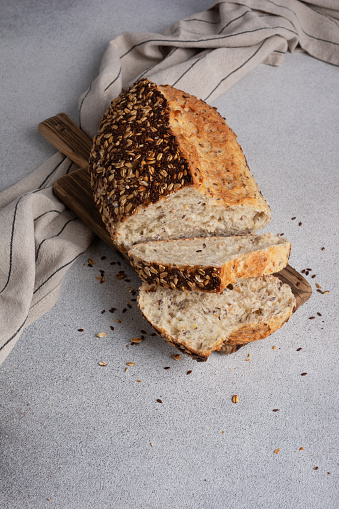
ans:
(303, 374)
(103, 257)
(111, 327)
(103, 311)
(167, 367)
(189, 372)
(276, 410)
(159, 400)
(319, 314)
(80, 330)
(298, 349)
(311, 317)
(300, 223)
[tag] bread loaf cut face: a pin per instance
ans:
(165, 165)
(209, 264)
(199, 323)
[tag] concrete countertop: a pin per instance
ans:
(78, 435)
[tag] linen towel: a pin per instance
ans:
(204, 55)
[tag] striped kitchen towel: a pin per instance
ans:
(204, 55)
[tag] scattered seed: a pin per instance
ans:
(103, 257)
(293, 218)
(235, 399)
(298, 349)
(89, 265)
(103, 311)
(111, 327)
(112, 310)
(143, 331)
(276, 451)
(323, 249)
(301, 448)
(139, 381)
(101, 334)
(117, 320)
(303, 374)
(176, 357)
(315, 468)
(102, 363)
(126, 369)
(319, 314)
(276, 410)
(151, 444)
(318, 285)
(130, 363)
(189, 372)
(159, 400)
(303, 271)
(80, 330)
(300, 224)
(274, 347)
(311, 317)
(313, 276)
(167, 367)
(136, 340)
(92, 262)
(124, 310)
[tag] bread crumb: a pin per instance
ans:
(274, 347)
(276, 451)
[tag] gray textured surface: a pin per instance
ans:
(79, 434)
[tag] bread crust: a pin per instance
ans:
(154, 141)
(206, 278)
(217, 164)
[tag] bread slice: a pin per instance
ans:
(198, 323)
(209, 264)
(165, 165)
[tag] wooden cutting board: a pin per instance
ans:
(75, 191)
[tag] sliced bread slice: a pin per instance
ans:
(198, 323)
(209, 264)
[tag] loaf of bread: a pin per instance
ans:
(165, 165)
(209, 264)
(198, 323)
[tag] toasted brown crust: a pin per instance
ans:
(155, 140)
(214, 279)
(216, 160)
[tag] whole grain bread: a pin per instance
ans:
(165, 165)
(199, 323)
(209, 264)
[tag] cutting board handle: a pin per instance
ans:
(67, 137)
